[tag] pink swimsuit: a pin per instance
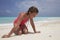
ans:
(22, 23)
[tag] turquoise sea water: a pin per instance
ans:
(11, 19)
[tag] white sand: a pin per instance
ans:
(49, 31)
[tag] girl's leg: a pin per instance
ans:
(18, 31)
(13, 30)
(22, 29)
(25, 30)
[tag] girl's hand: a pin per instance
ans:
(5, 36)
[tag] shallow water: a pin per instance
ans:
(11, 19)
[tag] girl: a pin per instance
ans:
(19, 24)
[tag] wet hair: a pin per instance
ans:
(32, 9)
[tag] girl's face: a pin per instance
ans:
(33, 15)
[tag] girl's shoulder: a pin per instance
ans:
(21, 13)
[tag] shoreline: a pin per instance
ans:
(28, 23)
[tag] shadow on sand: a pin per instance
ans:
(24, 34)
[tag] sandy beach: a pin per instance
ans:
(48, 31)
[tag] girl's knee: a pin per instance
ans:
(20, 32)
(25, 31)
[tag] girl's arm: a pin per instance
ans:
(32, 24)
